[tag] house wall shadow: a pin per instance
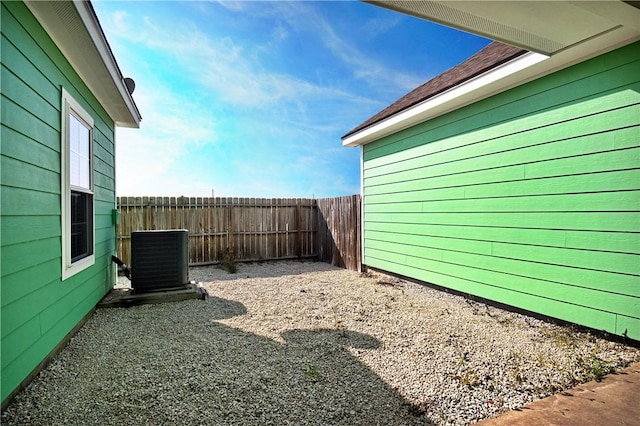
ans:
(229, 376)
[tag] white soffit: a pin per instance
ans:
(539, 26)
(74, 29)
(624, 29)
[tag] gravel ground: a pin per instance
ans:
(304, 343)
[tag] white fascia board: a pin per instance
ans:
(468, 92)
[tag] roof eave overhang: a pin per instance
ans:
(466, 93)
(74, 28)
(516, 72)
(546, 27)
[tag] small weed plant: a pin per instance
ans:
(311, 373)
(468, 378)
(562, 336)
(593, 367)
(228, 262)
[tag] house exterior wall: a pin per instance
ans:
(38, 308)
(530, 198)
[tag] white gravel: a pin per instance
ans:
(304, 343)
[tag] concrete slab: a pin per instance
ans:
(126, 297)
(614, 401)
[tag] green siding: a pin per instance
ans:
(38, 309)
(529, 198)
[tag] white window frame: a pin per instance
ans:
(71, 106)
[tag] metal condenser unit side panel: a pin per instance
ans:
(159, 259)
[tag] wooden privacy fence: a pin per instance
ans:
(251, 229)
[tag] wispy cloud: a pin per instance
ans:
(232, 5)
(376, 27)
(296, 19)
(228, 70)
(225, 79)
(171, 129)
(248, 98)
(305, 18)
(222, 65)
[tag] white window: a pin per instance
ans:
(78, 231)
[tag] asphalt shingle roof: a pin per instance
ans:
(490, 57)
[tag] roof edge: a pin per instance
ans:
(470, 90)
(75, 29)
(518, 71)
(489, 57)
(109, 59)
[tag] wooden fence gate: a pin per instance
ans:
(339, 231)
(251, 229)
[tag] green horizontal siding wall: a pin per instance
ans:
(529, 198)
(38, 309)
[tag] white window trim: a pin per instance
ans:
(69, 105)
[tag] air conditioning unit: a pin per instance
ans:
(159, 259)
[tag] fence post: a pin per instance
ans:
(298, 226)
(230, 236)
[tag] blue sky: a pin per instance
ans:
(251, 98)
